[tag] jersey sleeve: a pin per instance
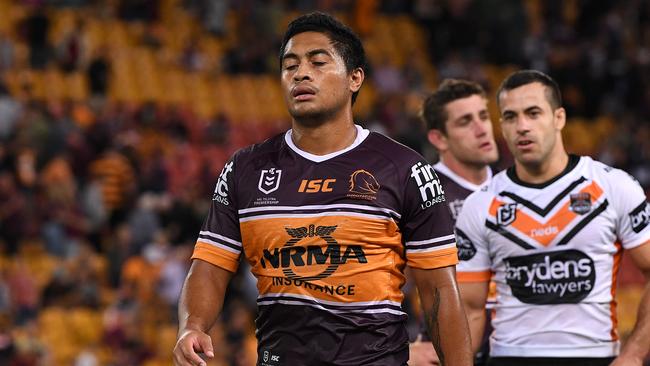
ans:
(632, 209)
(219, 241)
(475, 264)
(427, 226)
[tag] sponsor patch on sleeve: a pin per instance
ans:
(428, 184)
(466, 249)
(640, 217)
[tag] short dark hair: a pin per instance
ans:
(525, 77)
(344, 40)
(434, 113)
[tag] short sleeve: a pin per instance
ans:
(427, 225)
(632, 209)
(475, 263)
(219, 241)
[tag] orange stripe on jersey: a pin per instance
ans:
(612, 305)
(221, 258)
(310, 256)
(544, 233)
(483, 276)
(435, 259)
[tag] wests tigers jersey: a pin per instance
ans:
(328, 238)
(554, 250)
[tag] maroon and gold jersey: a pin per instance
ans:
(328, 238)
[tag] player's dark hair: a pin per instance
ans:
(525, 77)
(345, 41)
(434, 113)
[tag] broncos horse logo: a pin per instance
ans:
(363, 182)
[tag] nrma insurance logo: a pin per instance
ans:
(317, 260)
(428, 183)
(560, 277)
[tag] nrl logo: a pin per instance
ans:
(506, 214)
(269, 180)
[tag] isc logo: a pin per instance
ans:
(316, 185)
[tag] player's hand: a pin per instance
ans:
(189, 345)
(422, 354)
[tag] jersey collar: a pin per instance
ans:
(362, 134)
(444, 169)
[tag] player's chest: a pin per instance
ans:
(295, 184)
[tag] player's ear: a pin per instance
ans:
(438, 139)
(356, 79)
(559, 118)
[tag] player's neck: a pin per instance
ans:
(325, 138)
(541, 173)
(475, 174)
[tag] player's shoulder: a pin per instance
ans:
(393, 151)
(259, 152)
(482, 197)
(608, 176)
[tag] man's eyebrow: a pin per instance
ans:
(464, 117)
(318, 51)
(290, 55)
(312, 53)
(531, 108)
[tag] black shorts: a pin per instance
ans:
(548, 361)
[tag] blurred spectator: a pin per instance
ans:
(73, 48)
(139, 9)
(387, 78)
(116, 176)
(98, 73)
(10, 111)
(7, 52)
(37, 28)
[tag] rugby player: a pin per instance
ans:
(459, 127)
(328, 215)
(552, 229)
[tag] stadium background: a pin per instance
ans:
(117, 116)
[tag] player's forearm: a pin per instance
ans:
(638, 343)
(447, 326)
(202, 296)
(476, 320)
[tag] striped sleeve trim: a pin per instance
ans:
(220, 241)
(224, 259)
(482, 276)
(435, 259)
(425, 248)
(431, 245)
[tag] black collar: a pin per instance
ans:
(573, 162)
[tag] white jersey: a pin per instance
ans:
(554, 250)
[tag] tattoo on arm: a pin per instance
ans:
(433, 324)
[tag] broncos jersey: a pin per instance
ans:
(555, 249)
(328, 238)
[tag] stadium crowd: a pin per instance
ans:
(103, 190)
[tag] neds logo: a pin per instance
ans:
(562, 277)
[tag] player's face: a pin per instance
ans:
(315, 81)
(469, 135)
(531, 128)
